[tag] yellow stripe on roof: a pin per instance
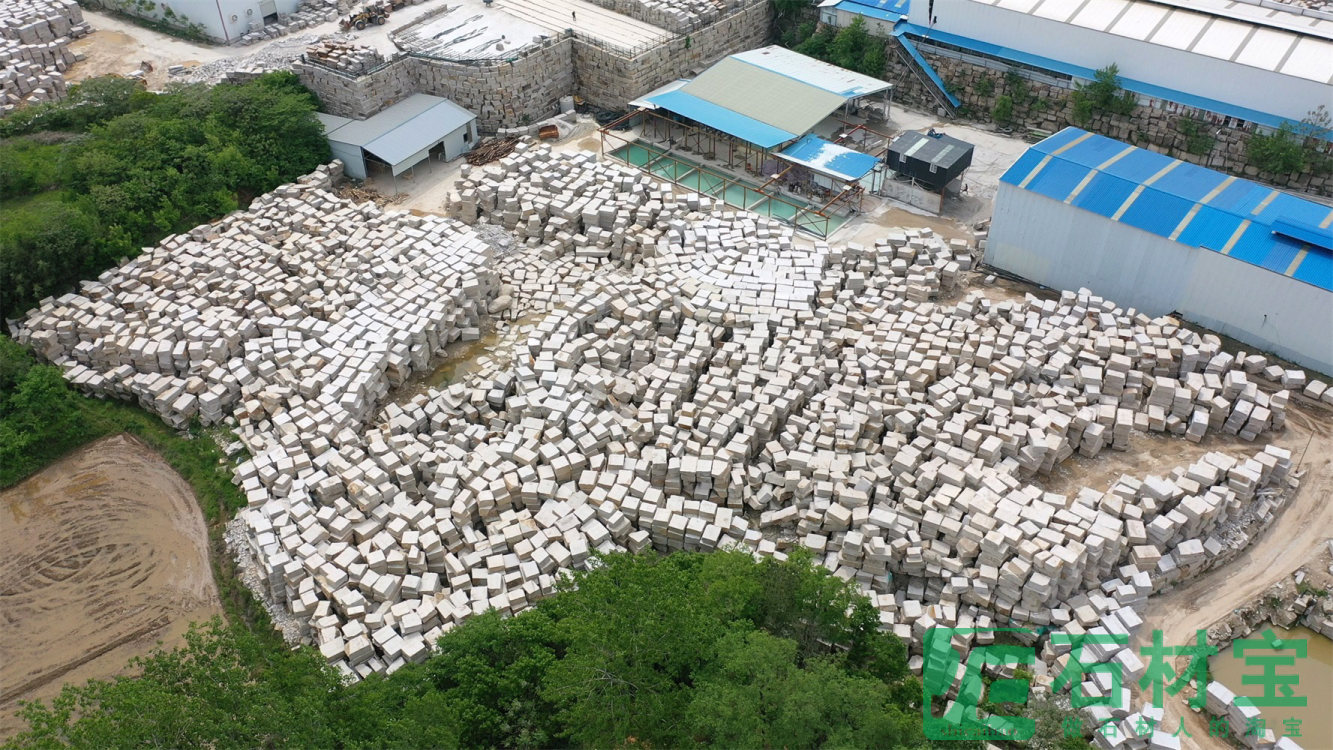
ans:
(1235, 237)
(1139, 190)
(1098, 170)
(1264, 203)
(1185, 221)
(1040, 165)
(1328, 220)
(1217, 190)
(1071, 144)
(1296, 262)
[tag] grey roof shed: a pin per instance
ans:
(400, 135)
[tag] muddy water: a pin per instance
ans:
(462, 358)
(1315, 684)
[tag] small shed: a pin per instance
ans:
(401, 136)
(931, 160)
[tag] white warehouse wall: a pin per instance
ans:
(1225, 81)
(215, 16)
(1064, 247)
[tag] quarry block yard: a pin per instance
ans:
(445, 409)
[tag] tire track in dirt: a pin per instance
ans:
(106, 554)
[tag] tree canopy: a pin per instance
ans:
(123, 168)
(689, 649)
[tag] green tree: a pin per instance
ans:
(1003, 111)
(1280, 152)
(224, 688)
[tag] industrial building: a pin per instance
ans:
(1258, 64)
(220, 20)
(402, 135)
(754, 113)
(1165, 236)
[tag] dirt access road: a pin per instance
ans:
(1294, 539)
(105, 556)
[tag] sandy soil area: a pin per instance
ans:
(105, 556)
(1297, 537)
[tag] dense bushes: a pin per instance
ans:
(851, 47)
(135, 167)
(39, 414)
(686, 650)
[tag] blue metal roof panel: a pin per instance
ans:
(1183, 202)
(1240, 197)
(1317, 269)
(1210, 228)
(1157, 212)
(1190, 181)
(1025, 163)
(885, 10)
(829, 158)
(1104, 194)
(718, 117)
(1305, 231)
(1058, 179)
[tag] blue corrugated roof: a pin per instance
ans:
(885, 10)
(1078, 71)
(720, 118)
(829, 158)
(1183, 202)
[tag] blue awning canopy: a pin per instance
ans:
(829, 158)
(720, 118)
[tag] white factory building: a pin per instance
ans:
(1258, 62)
(1165, 236)
(221, 20)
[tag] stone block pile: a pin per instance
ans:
(355, 59)
(293, 317)
(34, 49)
(699, 379)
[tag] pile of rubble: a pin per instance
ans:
(682, 376)
(279, 55)
(308, 13)
(353, 59)
(34, 49)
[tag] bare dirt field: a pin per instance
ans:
(105, 556)
(1295, 538)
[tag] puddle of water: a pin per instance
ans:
(461, 358)
(1315, 684)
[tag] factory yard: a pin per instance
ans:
(452, 386)
(681, 376)
(106, 556)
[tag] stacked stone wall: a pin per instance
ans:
(528, 88)
(609, 79)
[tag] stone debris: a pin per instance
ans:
(354, 59)
(670, 374)
(34, 50)
(279, 55)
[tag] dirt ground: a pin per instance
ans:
(105, 556)
(1297, 537)
(117, 47)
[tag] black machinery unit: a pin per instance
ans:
(932, 159)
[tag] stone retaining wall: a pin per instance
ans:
(609, 80)
(528, 88)
(1156, 124)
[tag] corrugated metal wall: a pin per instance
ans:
(1063, 247)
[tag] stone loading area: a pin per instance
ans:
(699, 379)
(34, 49)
